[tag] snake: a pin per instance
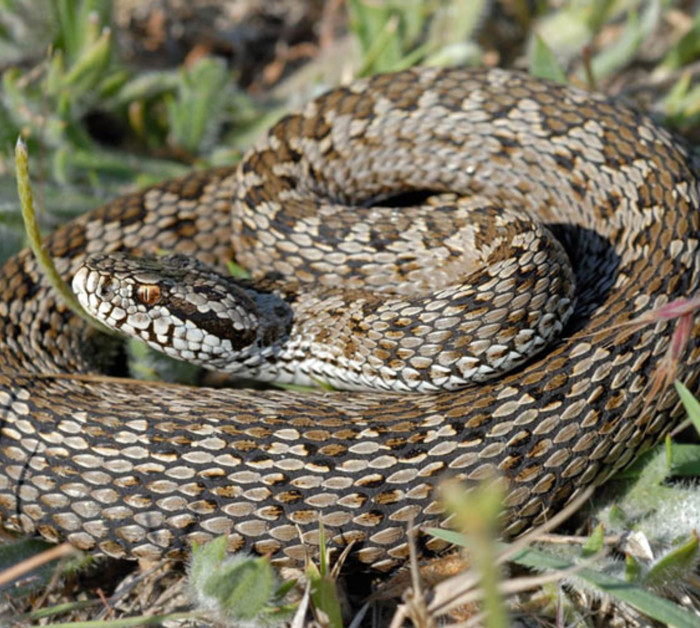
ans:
(334, 213)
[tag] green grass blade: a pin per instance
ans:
(644, 601)
(26, 198)
(691, 404)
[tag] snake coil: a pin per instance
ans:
(133, 469)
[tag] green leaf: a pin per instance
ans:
(633, 569)
(376, 27)
(324, 593)
(145, 86)
(544, 63)
(652, 605)
(285, 588)
(455, 21)
(116, 166)
(450, 536)
(687, 49)
(672, 566)
(80, 23)
(205, 558)
(617, 516)
(684, 460)
(324, 596)
(566, 31)
(621, 52)
(195, 113)
(384, 53)
(644, 601)
(90, 66)
(463, 53)
(691, 404)
(600, 12)
(243, 587)
(238, 587)
(236, 270)
(389, 33)
(647, 473)
(682, 104)
(34, 237)
(595, 542)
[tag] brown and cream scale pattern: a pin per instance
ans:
(143, 470)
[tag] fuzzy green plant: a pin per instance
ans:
(238, 588)
(396, 34)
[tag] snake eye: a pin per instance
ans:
(148, 294)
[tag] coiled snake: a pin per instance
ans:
(140, 470)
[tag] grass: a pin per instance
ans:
(61, 70)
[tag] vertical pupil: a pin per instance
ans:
(148, 294)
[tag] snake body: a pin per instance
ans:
(141, 470)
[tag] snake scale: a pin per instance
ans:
(133, 469)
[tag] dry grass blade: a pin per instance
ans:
(534, 534)
(514, 585)
(19, 570)
(414, 606)
(455, 587)
(357, 620)
(300, 615)
(568, 539)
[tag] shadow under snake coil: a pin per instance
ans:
(139, 470)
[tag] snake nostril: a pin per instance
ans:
(106, 289)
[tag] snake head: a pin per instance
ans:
(179, 306)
